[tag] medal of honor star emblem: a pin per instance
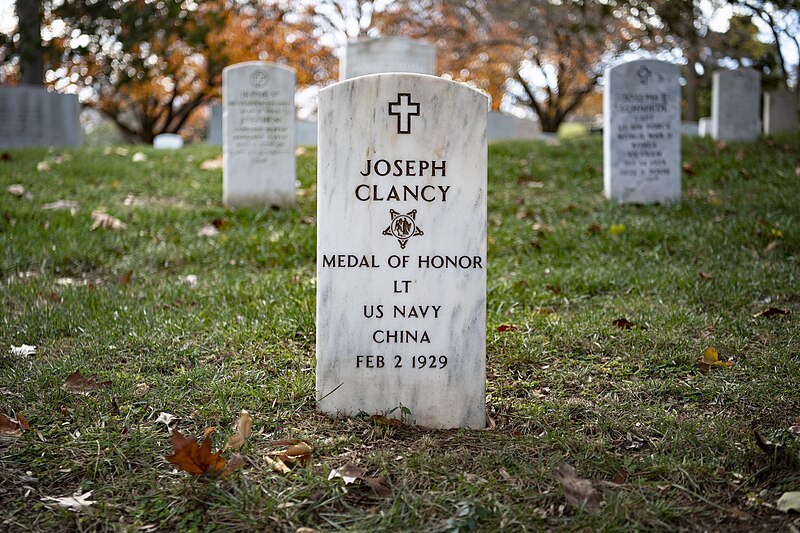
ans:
(403, 226)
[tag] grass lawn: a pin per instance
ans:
(668, 446)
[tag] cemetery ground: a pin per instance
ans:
(597, 316)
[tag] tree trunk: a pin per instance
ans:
(31, 51)
(692, 83)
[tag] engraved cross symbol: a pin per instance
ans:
(644, 75)
(404, 109)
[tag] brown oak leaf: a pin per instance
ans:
(77, 382)
(197, 459)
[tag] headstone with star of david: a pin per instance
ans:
(258, 135)
(642, 133)
(401, 250)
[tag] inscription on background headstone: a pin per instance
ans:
(401, 249)
(258, 135)
(387, 54)
(642, 132)
(780, 112)
(31, 116)
(735, 105)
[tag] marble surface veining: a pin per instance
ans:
(397, 323)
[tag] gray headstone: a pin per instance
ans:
(735, 105)
(306, 132)
(167, 141)
(214, 133)
(387, 54)
(258, 135)
(502, 126)
(31, 116)
(642, 132)
(780, 112)
(704, 127)
(401, 249)
(689, 128)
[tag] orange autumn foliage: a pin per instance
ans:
(154, 66)
(194, 458)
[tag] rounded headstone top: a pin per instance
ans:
(168, 141)
(257, 64)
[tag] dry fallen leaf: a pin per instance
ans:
(73, 503)
(61, 204)
(502, 328)
(23, 351)
(125, 277)
(198, 459)
(208, 231)
(689, 169)
(380, 420)
(623, 323)
(772, 311)
(594, 228)
(16, 189)
(166, 418)
(297, 454)
(705, 276)
(10, 427)
(212, 164)
(579, 492)
(616, 229)
(106, 221)
(242, 431)
(790, 501)
(277, 465)
(43, 166)
(711, 358)
(77, 382)
(775, 451)
(351, 473)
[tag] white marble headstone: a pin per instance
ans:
(503, 126)
(401, 249)
(386, 54)
(167, 141)
(736, 105)
(780, 112)
(704, 127)
(306, 132)
(689, 128)
(258, 135)
(214, 126)
(642, 132)
(32, 116)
